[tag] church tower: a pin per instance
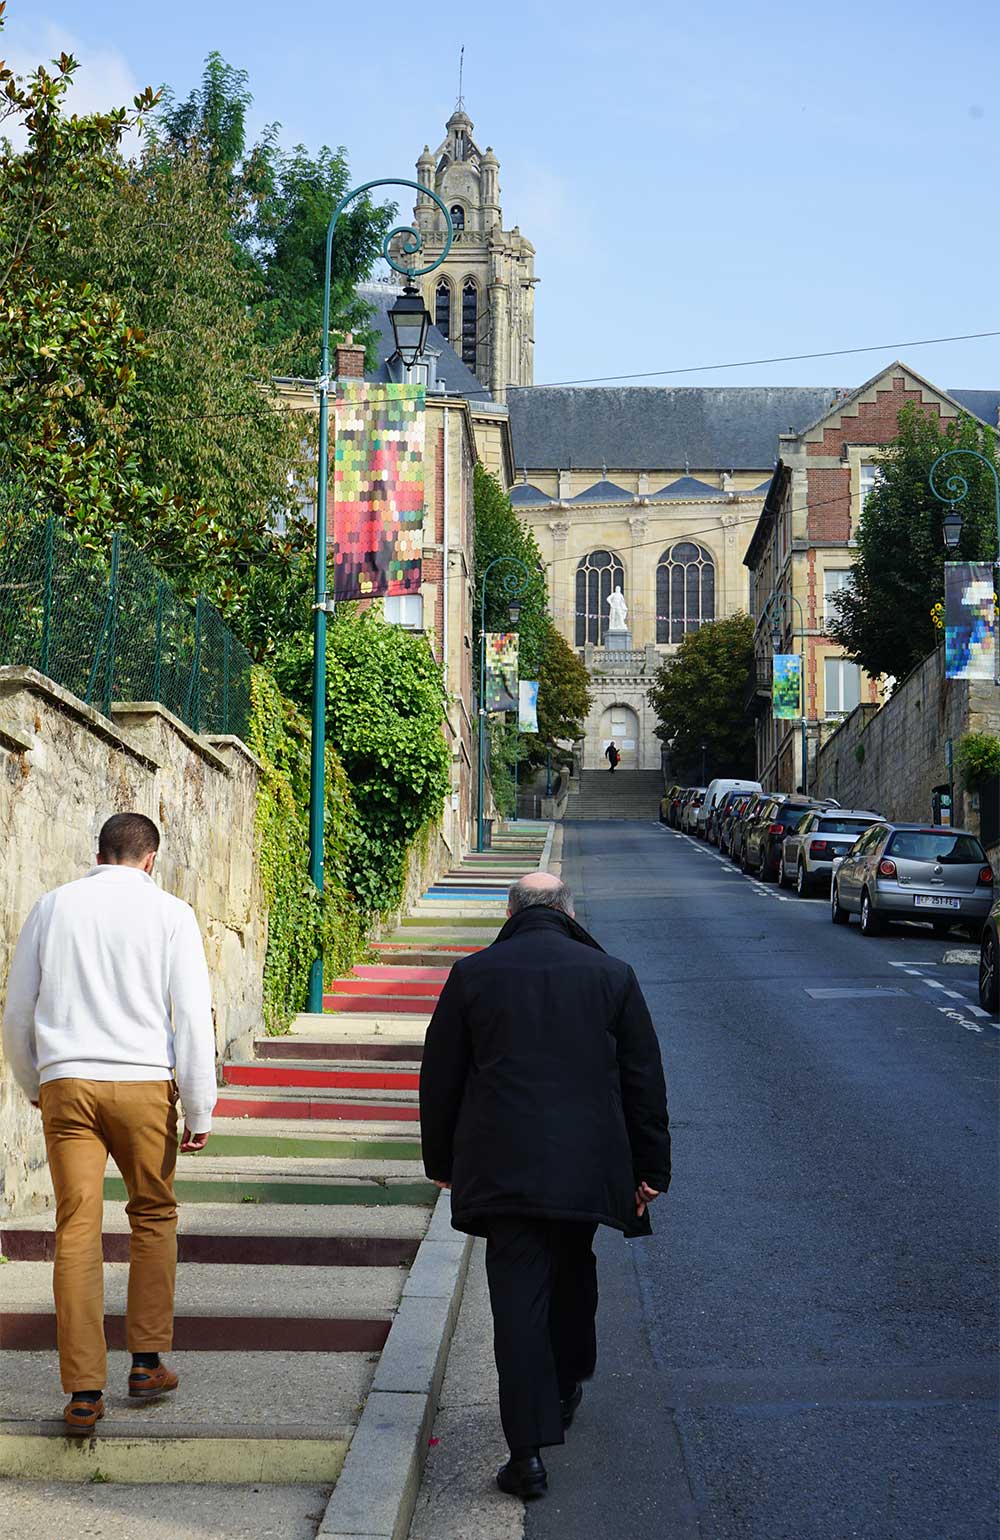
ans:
(482, 298)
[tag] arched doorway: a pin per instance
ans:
(621, 723)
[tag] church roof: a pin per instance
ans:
(720, 428)
(524, 493)
(688, 486)
(604, 492)
(458, 378)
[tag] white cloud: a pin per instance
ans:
(104, 79)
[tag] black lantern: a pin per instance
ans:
(514, 611)
(410, 319)
(951, 527)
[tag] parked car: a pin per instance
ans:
(912, 872)
(989, 963)
(731, 811)
(762, 840)
(715, 796)
(741, 822)
(667, 801)
(809, 850)
(689, 810)
(676, 803)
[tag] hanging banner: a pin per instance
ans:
(377, 498)
(527, 707)
(501, 671)
(969, 620)
(786, 685)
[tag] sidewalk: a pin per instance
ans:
(312, 1186)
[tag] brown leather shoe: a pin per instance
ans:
(80, 1416)
(145, 1384)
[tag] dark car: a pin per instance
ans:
(676, 803)
(773, 819)
(735, 805)
(989, 963)
(741, 820)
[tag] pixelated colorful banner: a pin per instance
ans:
(969, 620)
(786, 684)
(527, 711)
(378, 489)
(501, 671)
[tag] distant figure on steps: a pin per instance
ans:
(612, 755)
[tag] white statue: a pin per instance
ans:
(618, 611)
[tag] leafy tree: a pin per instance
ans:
(885, 621)
(499, 532)
(698, 698)
(384, 713)
(563, 699)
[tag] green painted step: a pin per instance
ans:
(312, 1149)
(449, 921)
(417, 1194)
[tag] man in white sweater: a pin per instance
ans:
(108, 1022)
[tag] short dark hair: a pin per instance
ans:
(127, 837)
(557, 897)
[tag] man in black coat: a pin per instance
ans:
(543, 1108)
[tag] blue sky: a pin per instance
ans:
(704, 184)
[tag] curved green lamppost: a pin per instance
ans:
(776, 612)
(513, 584)
(957, 492)
(410, 321)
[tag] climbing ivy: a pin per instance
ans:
(384, 720)
(298, 920)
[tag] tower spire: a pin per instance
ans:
(460, 104)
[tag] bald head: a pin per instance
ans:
(539, 890)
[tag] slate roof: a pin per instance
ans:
(458, 378)
(641, 427)
(524, 494)
(981, 403)
(604, 492)
(687, 486)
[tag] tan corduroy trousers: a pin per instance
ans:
(135, 1121)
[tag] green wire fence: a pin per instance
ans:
(110, 628)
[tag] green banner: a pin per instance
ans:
(786, 685)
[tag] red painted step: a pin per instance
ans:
(338, 1079)
(393, 1005)
(389, 988)
(352, 1112)
(388, 971)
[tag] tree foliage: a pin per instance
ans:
(698, 697)
(885, 614)
(384, 715)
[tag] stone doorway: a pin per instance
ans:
(621, 723)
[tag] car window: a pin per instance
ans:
(946, 849)
(843, 825)
(789, 816)
(804, 824)
(868, 841)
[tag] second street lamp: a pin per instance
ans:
(514, 584)
(957, 490)
(951, 528)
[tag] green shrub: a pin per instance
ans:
(978, 758)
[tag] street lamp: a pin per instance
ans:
(409, 328)
(514, 584)
(957, 492)
(776, 612)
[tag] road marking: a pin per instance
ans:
(934, 984)
(953, 994)
(949, 1010)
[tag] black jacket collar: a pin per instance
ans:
(541, 917)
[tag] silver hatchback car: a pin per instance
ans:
(909, 871)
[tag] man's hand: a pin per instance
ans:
(192, 1142)
(444, 1186)
(644, 1195)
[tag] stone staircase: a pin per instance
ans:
(631, 794)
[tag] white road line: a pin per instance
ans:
(977, 1010)
(934, 984)
(948, 1010)
(953, 994)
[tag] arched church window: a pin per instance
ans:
(685, 591)
(470, 323)
(597, 574)
(442, 309)
(457, 216)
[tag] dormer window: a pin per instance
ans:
(457, 216)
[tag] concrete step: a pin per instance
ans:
(258, 1221)
(361, 1050)
(329, 1026)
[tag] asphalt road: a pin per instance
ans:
(805, 1350)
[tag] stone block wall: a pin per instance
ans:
(890, 758)
(64, 769)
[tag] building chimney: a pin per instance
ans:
(349, 359)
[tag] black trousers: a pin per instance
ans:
(543, 1289)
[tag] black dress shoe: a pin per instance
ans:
(525, 1478)
(569, 1404)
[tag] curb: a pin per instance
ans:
(375, 1495)
(962, 957)
(543, 864)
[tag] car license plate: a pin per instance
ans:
(934, 902)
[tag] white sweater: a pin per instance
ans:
(109, 982)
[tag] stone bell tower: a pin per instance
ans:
(483, 296)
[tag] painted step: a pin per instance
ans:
(297, 1074)
(359, 1024)
(396, 1005)
(39, 1245)
(358, 1112)
(407, 974)
(449, 923)
(398, 988)
(324, 1191)
(372, 1050)
(293, 1145)
(256, 1223)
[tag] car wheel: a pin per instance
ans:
(989, 993)
(782, 875)
(872, 923)
(766, 873)
(802, 883)
(744, 863)
(838, 915)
